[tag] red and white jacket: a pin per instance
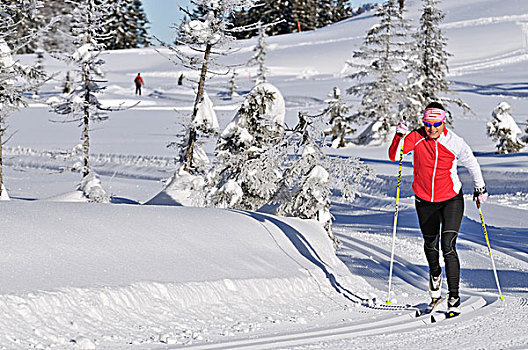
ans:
(435, 163)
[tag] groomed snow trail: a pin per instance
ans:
(401, 322)
(338, 322)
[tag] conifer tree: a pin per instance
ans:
(232, 85)
(504, 130)
(305, 14)
(55, 17)
(81, 104)
(337, 112)
(202, 33)
(259, 58)
(304, 189)
(118, 25)
(341, 10)
(127, 21)
(290, 15)
(378, 66)
(309, 175)
(15, 79)
(428, 67)
(142, 23)
(325, 15)
(128, 24)
(247, 172)
(261, 166)
(27, 23)
(206, 32)
(274, 11)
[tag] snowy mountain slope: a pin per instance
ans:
(81, 275)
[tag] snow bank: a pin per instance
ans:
(4, 196)
(182, 189)
(71, 273)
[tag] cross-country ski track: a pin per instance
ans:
(409, 279)
(380, 319)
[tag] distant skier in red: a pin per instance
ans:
(139, 82)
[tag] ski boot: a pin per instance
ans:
(435, 284)
(453, 307)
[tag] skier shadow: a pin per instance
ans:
(511, 281)
(304, 247)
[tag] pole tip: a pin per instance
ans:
(388, 302)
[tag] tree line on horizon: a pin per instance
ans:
(127, 24)
(123, 22)
(292, 16)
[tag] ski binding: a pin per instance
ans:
(429, 308)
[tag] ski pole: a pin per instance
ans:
(501, 297)
(394, 226)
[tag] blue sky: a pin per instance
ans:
(163, 13)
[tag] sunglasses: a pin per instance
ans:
(436, 125)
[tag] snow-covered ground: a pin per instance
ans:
(126, 275)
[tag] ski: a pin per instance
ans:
(429, 308)
(444, 316)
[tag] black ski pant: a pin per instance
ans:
(439, 223)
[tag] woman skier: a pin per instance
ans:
(439, 200)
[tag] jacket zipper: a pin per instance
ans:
(434, 171)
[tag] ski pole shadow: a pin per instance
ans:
(511, 281)
(306, 250)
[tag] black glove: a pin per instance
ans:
(480, 194)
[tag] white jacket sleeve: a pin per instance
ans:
(469, 161)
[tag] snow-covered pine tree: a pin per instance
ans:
(268, 11)
(248, 168)
(118, 26)
(81, 104)
(206, 32)
(127, 22)
(28, 22)
(39, 65)
(259, 58)
(504, 130)
(305, 14)
(58, 37)
(291, 14)
(309, 175)
(377, 66)
(15, 79)
(232, 86)
(205, 29)
(428, 67)
(337, 111)
(325, 13)
(141, 23)
(341, 10)
(331, 11)
(308, 192)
